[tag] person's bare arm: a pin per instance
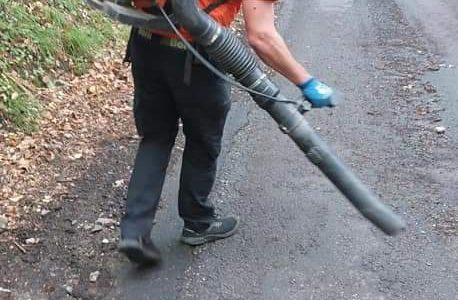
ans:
(264, 38)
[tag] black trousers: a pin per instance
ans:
(161, 99)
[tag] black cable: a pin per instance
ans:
(213, 69)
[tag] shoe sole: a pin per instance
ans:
(197, 241)
(136, 254)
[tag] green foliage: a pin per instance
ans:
(56, 17)
(22, 108)
(24, 111)
(81, 43)
(36, 37)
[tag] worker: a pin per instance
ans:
(170, 86)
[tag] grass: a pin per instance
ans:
(36, 37)
(21, 108)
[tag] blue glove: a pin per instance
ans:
(317, 93)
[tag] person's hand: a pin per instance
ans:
(317, 93)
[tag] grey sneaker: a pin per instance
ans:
(220, 228)
(140, 250)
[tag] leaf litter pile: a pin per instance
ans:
(38, 171)
(78, 114)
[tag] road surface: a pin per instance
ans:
(394, 63)
(300, 239)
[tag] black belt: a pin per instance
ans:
(176, 44)
(166, 41)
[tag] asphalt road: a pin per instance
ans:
(299, 237)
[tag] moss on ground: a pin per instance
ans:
(38, 37)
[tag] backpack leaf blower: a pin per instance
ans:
(234, 58)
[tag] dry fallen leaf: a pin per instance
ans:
(75, 156)
(118, 183)
(24, 164)
(92, 89)
(47, 199)
(16, 198)
(32, 241)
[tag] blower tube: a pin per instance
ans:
(233, 57)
